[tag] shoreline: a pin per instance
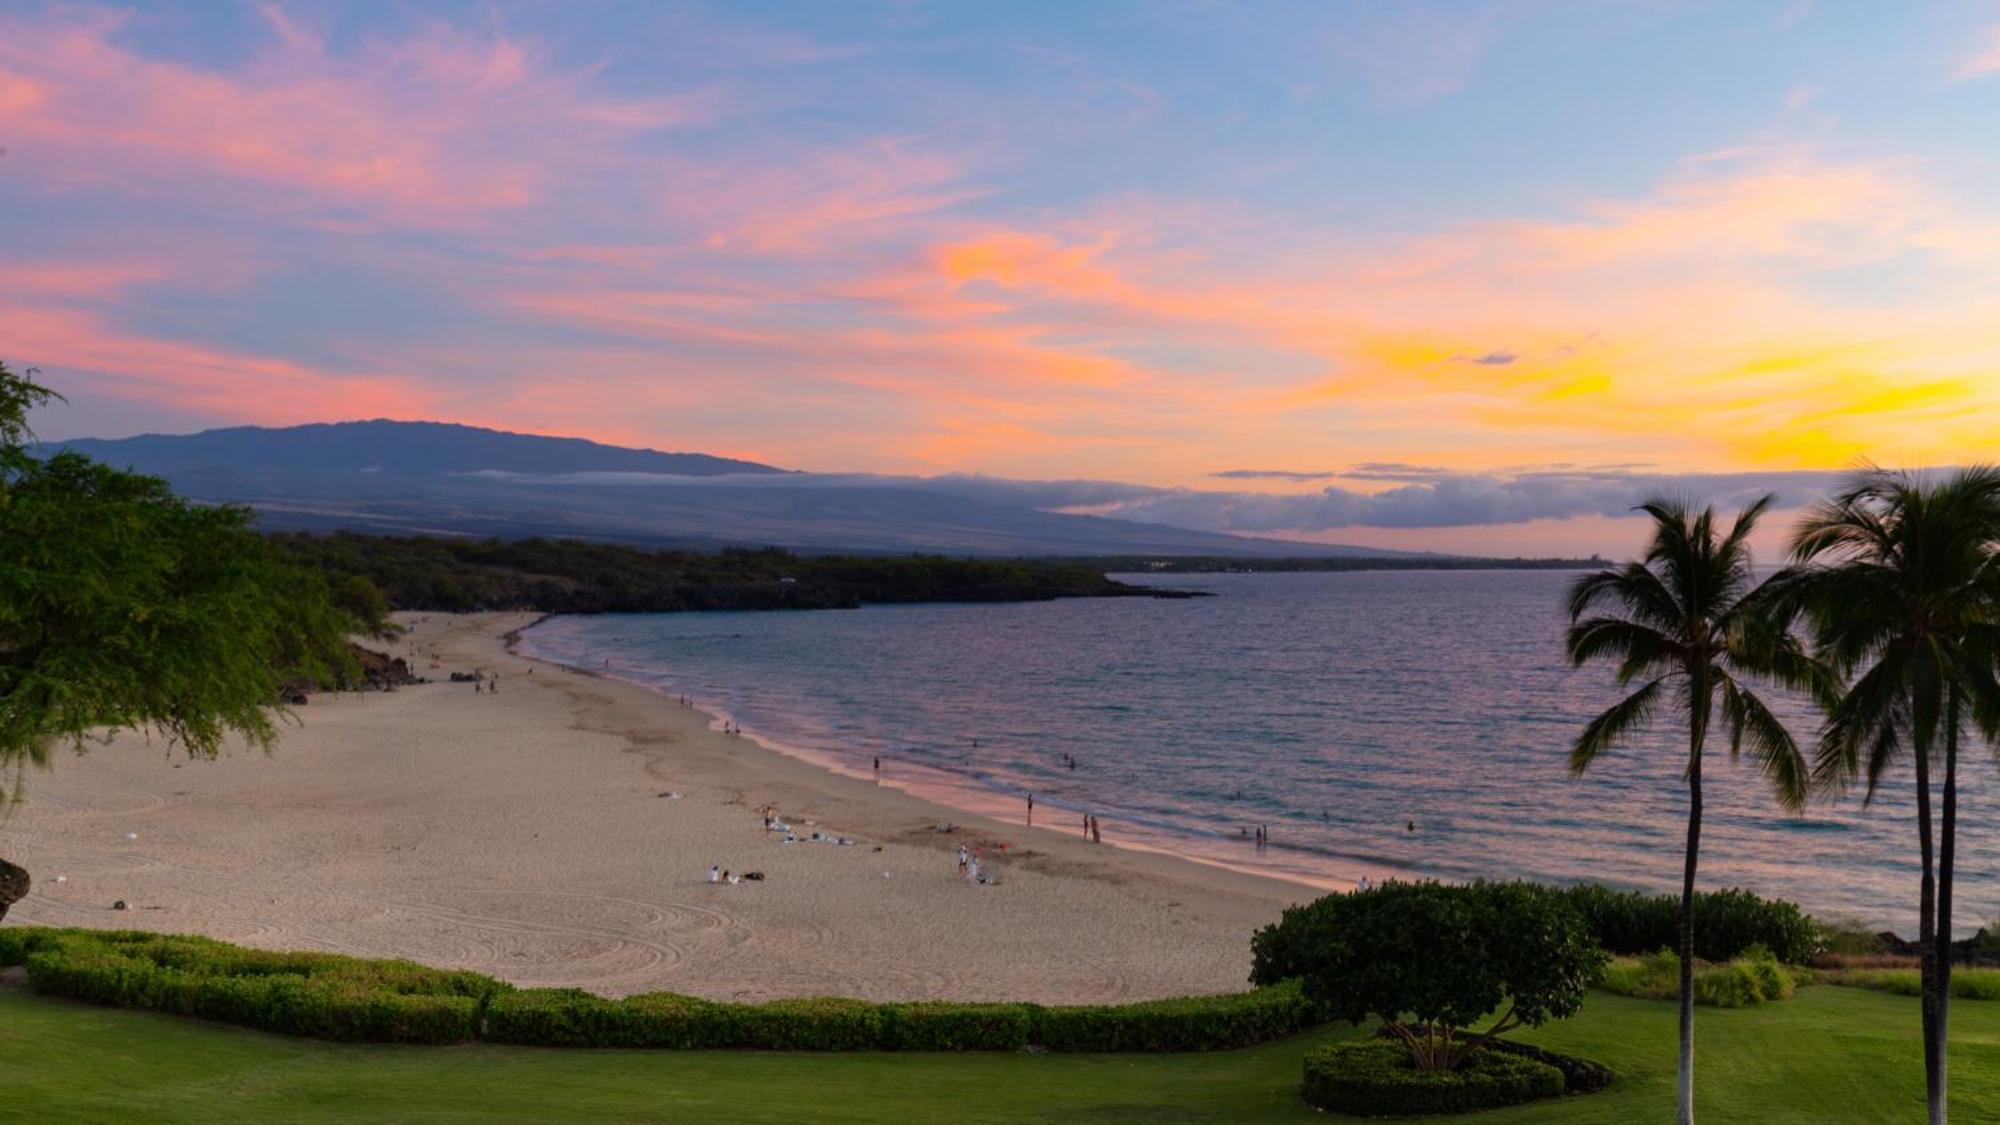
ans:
(943, 788)
(558, 832)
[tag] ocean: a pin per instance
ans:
(1376, 724)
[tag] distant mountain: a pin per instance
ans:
(433, 478)
(336, 449)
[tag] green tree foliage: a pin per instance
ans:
(1691, 626)
(125, 606)
(1431, 959)
(1902, 590)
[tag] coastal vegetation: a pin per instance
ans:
(435, 573)
(1688, 623)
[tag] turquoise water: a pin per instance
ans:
(1378, 724)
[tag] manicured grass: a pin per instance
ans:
(1828, 1055)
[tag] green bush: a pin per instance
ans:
(958, 1027)
(1193, 1023)
(1728, 985)
(1375, 1078)
(1754, 978)
(1438, 955)
(1725, 923)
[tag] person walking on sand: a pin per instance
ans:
(714, 872)
(964, 857)
(1031, 810)
(1096, 831)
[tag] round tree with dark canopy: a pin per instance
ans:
(1431, 960)
(125, 606)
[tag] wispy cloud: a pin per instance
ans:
(1986, 60)
(1272, 474)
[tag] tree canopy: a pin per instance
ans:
(1431, 959)
(125, 606)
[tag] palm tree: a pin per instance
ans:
(1688, 623)
(1906, 597)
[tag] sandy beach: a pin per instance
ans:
(530, 833)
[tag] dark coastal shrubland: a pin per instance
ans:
(570, 576)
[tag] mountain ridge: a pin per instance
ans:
(399, 477)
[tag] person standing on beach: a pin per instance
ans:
(1031, 809)
(1096, 831)
(963, 859)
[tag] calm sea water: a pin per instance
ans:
(1377, 723)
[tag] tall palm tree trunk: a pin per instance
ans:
(1927, 960)
(1947, 847)
(1686, 1087)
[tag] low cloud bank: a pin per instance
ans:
(1417, 496)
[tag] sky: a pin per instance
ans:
(1468, 275)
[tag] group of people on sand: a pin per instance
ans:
(968, 867)
(1091, 828)
(719, 874)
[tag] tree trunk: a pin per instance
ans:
(13, 885)
(1947, 847)
(1686, 1086)
(1927, 949)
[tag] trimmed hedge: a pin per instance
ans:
(1375, 1078)
(319, 995)
(571, 1018)
(329, 996)
(959, 1027)
(1194, 1023)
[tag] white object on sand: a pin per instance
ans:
(131, 835)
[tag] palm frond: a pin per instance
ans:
(1604, 732)
(1751, 723)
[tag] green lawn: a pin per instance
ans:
(1830, 1055)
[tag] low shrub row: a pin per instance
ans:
(1966, 984)
(319, 995)
(571, 1018)
(329, 996)
(1754, 978)
(1375, 1078)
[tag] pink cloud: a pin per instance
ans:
(421, 129)
(1987, 60)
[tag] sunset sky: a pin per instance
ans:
(1409, 269)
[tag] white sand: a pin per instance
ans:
(522, 834)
